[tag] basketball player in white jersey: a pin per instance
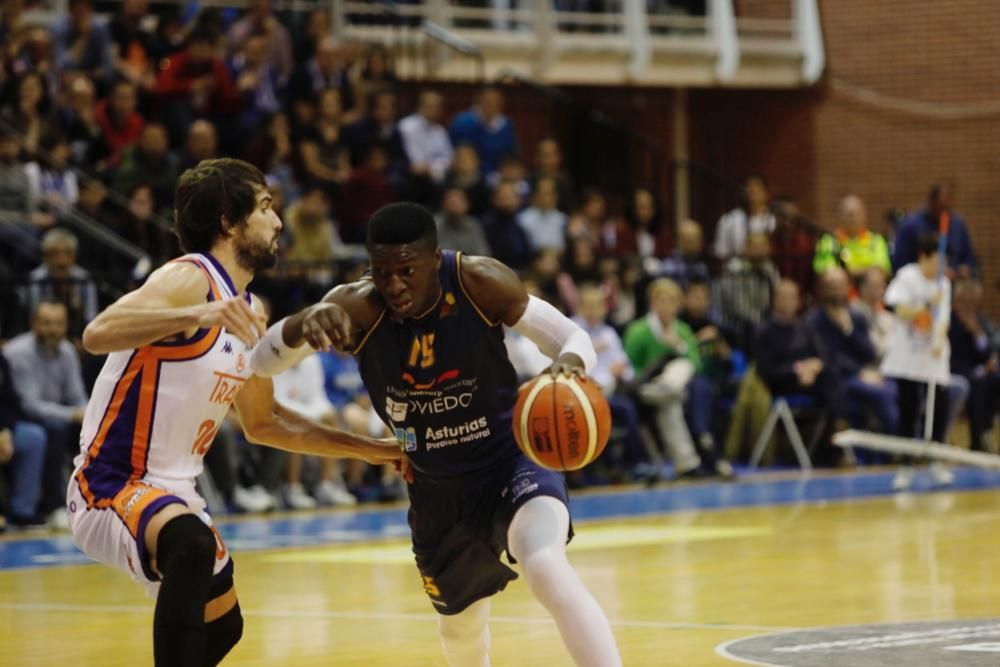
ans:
(179, 349)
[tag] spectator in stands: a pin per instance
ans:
(544, 224)
(62, 280)
(870, 305)
(202, 143)
(77, 121)
(120, 123)
(427, 146)
(548, 164)
(31, 113)
(378, 126)
(743, 291)
(713, 345)
(789, 355)
(132, 49)
(195, 83)
(752, 217)
(376, 74)
(316, 27)
(456, 229)
(847, 351)
(653, 345)
(83, 44)
(513, 170)
(466, 174)
(314, 238)
(646, 235)
(22, 448)
(50, 386)
(974, 357)
(19, 203)
(486, 128)
(553, 286)
(506, 237)
(271, 151)
(590, 220)
(323, 156)
(368, 189)
(301, 388)
(687, 262)
(260, 22)
(612, 371)
(327, 70)
(149, 162)
(52, 177)
(137, 223)
(257, 81)
(962, 261)
(852, 245)
(793, 243)
(36, 57)
(346, 392)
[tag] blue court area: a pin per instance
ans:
(345, 527)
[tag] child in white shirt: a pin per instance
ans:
(918, 351)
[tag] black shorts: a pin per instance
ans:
(459, 529)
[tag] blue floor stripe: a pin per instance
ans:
(350, 527)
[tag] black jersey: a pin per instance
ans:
(443, 382)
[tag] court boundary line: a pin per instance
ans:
(393, 616)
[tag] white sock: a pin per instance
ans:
(537, 539)
(465, 636)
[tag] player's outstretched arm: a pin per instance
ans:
(170, 303)
(338, 321)
(499, 293)
(267, 422)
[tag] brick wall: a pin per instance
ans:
(821, 143)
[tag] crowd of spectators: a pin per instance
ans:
(100, 114)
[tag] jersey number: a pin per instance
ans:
(206, 434)
(422, 351)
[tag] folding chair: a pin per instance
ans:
(781, 410)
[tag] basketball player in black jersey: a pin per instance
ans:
(427, 328)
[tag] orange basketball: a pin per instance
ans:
(561, 423)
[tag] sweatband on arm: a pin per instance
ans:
(272, 356)
(554, 333)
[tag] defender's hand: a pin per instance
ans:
(568, 364)
(237, 316)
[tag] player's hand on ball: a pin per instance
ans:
(568, 364)
(326, 326)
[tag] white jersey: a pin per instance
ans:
(910, 347)
(155, 410)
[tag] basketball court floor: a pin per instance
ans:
(773, 570)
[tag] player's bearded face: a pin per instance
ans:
(256, 242)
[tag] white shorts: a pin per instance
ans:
(114, 535)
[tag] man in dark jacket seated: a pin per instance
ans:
(974, 357)
(846, 349)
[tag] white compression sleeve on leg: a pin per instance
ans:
(465, 636)
(537, 539)
(554, 333)
(272, 356)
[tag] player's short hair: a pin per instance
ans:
(207, 192)
(927, 244)
(401, 223)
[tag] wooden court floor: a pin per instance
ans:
(675, 587)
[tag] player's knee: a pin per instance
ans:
(545, 572)
(185, 544)
(222, 635)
